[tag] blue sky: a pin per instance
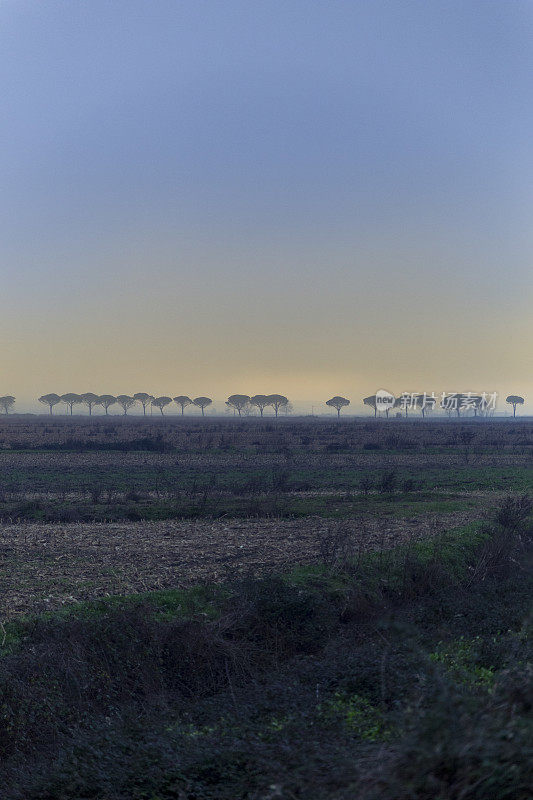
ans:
(321, 197)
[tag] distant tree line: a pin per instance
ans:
(453, 402)
(125, 401)
(244, 404)
(240, 403)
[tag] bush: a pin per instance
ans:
(284, 618)
(450, 753)
(280, 480)
(410, 485)
(387, 483)
(80, 667)
(514, 511)
(366, 484)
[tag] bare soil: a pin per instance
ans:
(49, 566)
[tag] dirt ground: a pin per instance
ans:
(49, 566)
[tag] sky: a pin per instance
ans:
(308, 197)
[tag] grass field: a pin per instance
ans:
(82, 471)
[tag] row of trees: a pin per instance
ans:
(453, 402)
(244, 404)
(125, 401)
(240, 403)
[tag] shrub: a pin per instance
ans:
(78, 667)
(387, 483)
(450, 753)
(366, 484)
(282, 617)
(280, 480)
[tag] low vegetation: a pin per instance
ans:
(83, 470)
(258, 609)
(403, 674)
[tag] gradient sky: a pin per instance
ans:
(293, 196)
